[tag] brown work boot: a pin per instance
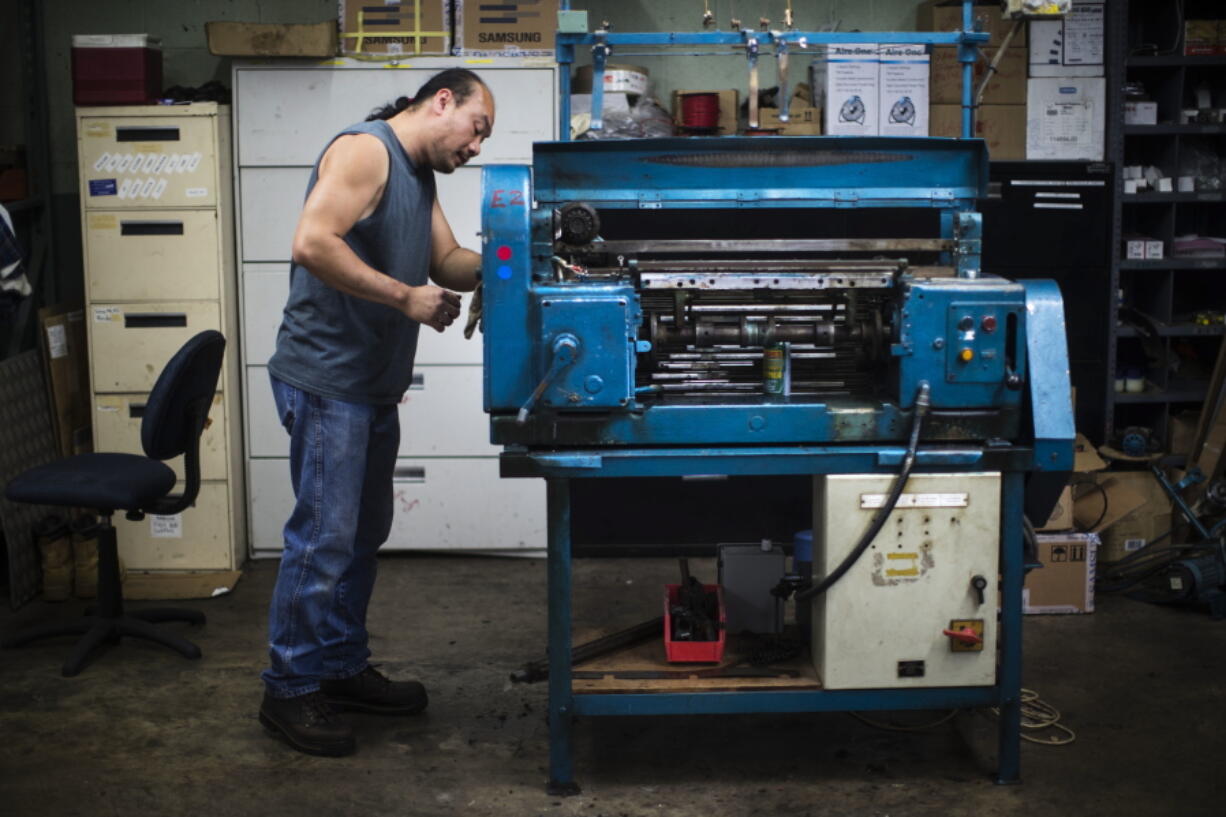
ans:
(309, 724)
(372, 691)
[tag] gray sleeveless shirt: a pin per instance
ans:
(348, 348)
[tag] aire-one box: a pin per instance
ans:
(903, 90)
(852, 89)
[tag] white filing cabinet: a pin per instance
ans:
(448, 493)
(157, 229)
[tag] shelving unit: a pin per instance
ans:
(1176, 353)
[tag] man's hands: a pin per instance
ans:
(432, 306)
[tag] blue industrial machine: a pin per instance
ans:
(788, 306)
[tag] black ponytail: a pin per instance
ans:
(460, 81)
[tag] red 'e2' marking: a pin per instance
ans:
(507, 198)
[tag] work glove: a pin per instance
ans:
(475, 320)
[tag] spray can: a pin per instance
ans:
(777, 369)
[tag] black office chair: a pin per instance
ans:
(175, 416)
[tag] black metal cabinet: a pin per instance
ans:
(1054, 220)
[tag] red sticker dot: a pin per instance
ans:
(504, 253)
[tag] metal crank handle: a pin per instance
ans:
(565, 348)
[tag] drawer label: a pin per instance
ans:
(917, 500)
(98, 129)
(104, 221)
(57, 341)
(106, 314)
(103, 187)
(196, 192)
(166, 527)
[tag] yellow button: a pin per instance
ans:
(966, 355)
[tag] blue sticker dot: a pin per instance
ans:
(504, 272)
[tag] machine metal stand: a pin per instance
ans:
(564, 704)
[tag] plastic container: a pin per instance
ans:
(116, 69)
(693, 652)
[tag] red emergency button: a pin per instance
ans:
(964, 636)
(504, 253)
(988, 323)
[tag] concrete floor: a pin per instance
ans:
(143, 731)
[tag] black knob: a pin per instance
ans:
(578, 223)
(980, 584)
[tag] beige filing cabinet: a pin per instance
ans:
(157, 230)
(449, 496)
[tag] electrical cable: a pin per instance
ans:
(1038, 714)
(1106, 502)
(922, 404)
(1000, 53)
(898, 727)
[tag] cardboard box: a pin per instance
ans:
(729, 99)
(395, 29)
(1134, 249)
(1003, 127)
(1200, 37)
(1065, 583)
(1007, 86)
(803, 120)
(1129, 511)
(1182, 432)
(271, 39)
(1154, 250)
(903, 77)
(1061, 518)
(1085, 456)
(852, 89)
(1065, 118)
(1070, 47)
(515, 28)
(67, 364)
(946, 15)
(1141, 113)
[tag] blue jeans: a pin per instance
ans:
(342, 458)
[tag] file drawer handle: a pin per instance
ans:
(151, 228)
(409, 473)
(154, 320)
(146, 134)
(136, 410)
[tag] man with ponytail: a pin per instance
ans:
(373, 260)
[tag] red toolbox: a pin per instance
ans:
(116, 69)
(693, 652)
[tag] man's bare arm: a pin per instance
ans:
(352, 175)
(451, 265)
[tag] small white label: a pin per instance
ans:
(112, 159)
(162, 163)
(1176, 582)
(104, 314)
(193, 162)
(196, 192)
(395, 48)
(916, 501)
(1133, 544)
(108, 409)
(166, 527)
(57, 341)
(125, 162)
(146, 189)
(159, 188)
(101, 161)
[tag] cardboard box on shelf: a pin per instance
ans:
(1065, 118)
(391, 30)
(227, 39)
(1003, 127)
(1182, 432)
(1061, 517)
(1007, 86)
(1065, 583)
(946, 15)
(67, 364)
(1200, 37)
(903, 78)
(803, 120)
(506, 29)
(729, 99)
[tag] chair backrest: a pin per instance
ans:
(171, 423)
